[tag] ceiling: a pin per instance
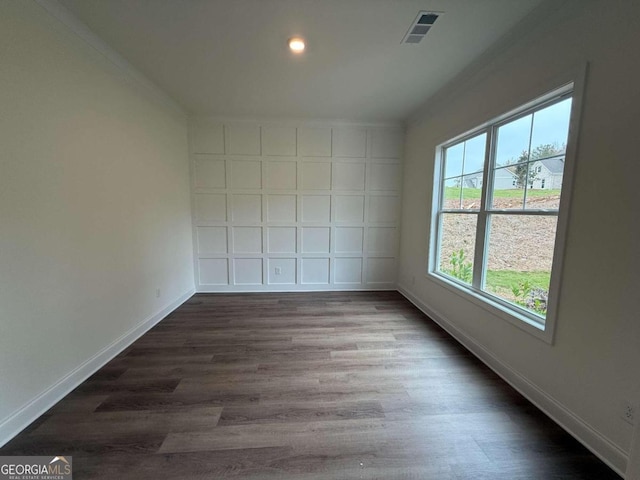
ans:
(230, 57)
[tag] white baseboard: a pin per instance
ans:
(382, 287)
(23, 417)
(592, 439)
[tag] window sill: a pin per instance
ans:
(522, 321)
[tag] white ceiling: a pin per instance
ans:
(230, 58)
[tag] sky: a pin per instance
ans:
(550, 125)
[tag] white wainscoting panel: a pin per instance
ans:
(282, 240)
(207, 136)
(209, 172)
(314, 141)
(292, 206)
(210, 207)
(211, 240)
(316, 208)
(279, 141)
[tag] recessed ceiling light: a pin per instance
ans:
(296, 44)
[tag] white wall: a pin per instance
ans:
(94, 209)
(319, 202)
(595, 360)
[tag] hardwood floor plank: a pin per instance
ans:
(90, 445)
(238, 463)
(279, 356)
(247, 384)
(131, 386)
(125, 403)
(79, 425)
(292, 412)
(148, 351)
(155, 360)
(184, 371)
(260, 435)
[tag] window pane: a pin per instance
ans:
(519, 259)
(453, 160)
(549, 142)
(545, 184)
(550, 130)
(513, 142)
(457, 245)
(474, 151)
(452, 188)
(508, 187)
(471, 191)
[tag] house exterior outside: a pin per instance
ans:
(548, 176)
(549, 173)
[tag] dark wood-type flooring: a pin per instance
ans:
(302, 386)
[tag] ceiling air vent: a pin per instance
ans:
(420, 26)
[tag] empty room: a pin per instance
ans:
(319, 239)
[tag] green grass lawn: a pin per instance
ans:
(451, 193)
(504, 280)
(501, 283)
(497, 280)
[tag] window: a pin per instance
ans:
(496, 242)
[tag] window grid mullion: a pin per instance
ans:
(526, 176)
(502, 212)
(438, 226)
(464, 155)
(455, 210)
(481, 225)
(441, 211)
(524, 212)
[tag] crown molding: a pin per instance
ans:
(79, 28)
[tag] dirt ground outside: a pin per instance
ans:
(522, 243)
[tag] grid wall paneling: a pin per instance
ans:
(295, 207)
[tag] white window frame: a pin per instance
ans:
(573, 85)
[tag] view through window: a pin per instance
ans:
(497, 215)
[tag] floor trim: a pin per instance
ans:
(24, 416)
(588, 436)
(299, 289)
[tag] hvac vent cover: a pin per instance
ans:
(420, 26)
